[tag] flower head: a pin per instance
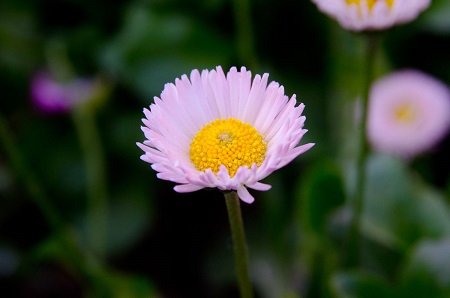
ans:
(360, 15)
(224, 132)
(409, 112)
(51, 96)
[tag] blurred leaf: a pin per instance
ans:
(51, 148)
(318, 198)
(52, 250)
(360, 285)
(123, 133)
(117, 285)
(322, 193)
(400, 209)
(433, 214)
(276, 215)
(427, 272)
(422, 287)
(437, 17)
(154, 48)
(9, 260)
(130, 215)
(49, 247)
(17, 38)
(104, 282)
(130, 212)
(271, 278)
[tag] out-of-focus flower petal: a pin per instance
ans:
(409, 112)
(361, 15)
(52, 96)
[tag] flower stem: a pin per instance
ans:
(244, 32)
(239, 244)
(97, 213)
(354, 254)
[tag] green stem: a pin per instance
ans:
(356, 226)
(244, 32)
(38, 195)
(97, 212)
(36, 192)
(239, 244)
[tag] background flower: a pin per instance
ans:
(205, 115)
(361, 15)
(52, 96)
(409, 112)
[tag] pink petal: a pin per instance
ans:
(259, 186)
(187, 188)
(244, 195)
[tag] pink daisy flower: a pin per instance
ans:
(409, 112)
(222, 131)
(360, 15)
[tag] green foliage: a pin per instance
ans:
(361, 285)
(18, 36)
(399, 209)
(322, 193)
(437, 18)
(153, 48)
(424, 274)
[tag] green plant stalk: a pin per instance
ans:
(354, 252)
(244, 32)
(239, 244)
(97, 202)
(38, 195)
(32, 187)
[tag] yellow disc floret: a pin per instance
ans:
(370, 3)
(227, 142)
(405, 113)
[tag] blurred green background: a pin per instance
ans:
(82, 216)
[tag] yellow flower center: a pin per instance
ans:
(370, 3)
(405, 113)
(227, 142)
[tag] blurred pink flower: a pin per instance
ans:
(360, 15)
(52, 96)
(222, 132)
(409, 112)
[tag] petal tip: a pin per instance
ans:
(244, 195)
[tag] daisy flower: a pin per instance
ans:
(360, 15)
(409, 112)
(222, 131)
